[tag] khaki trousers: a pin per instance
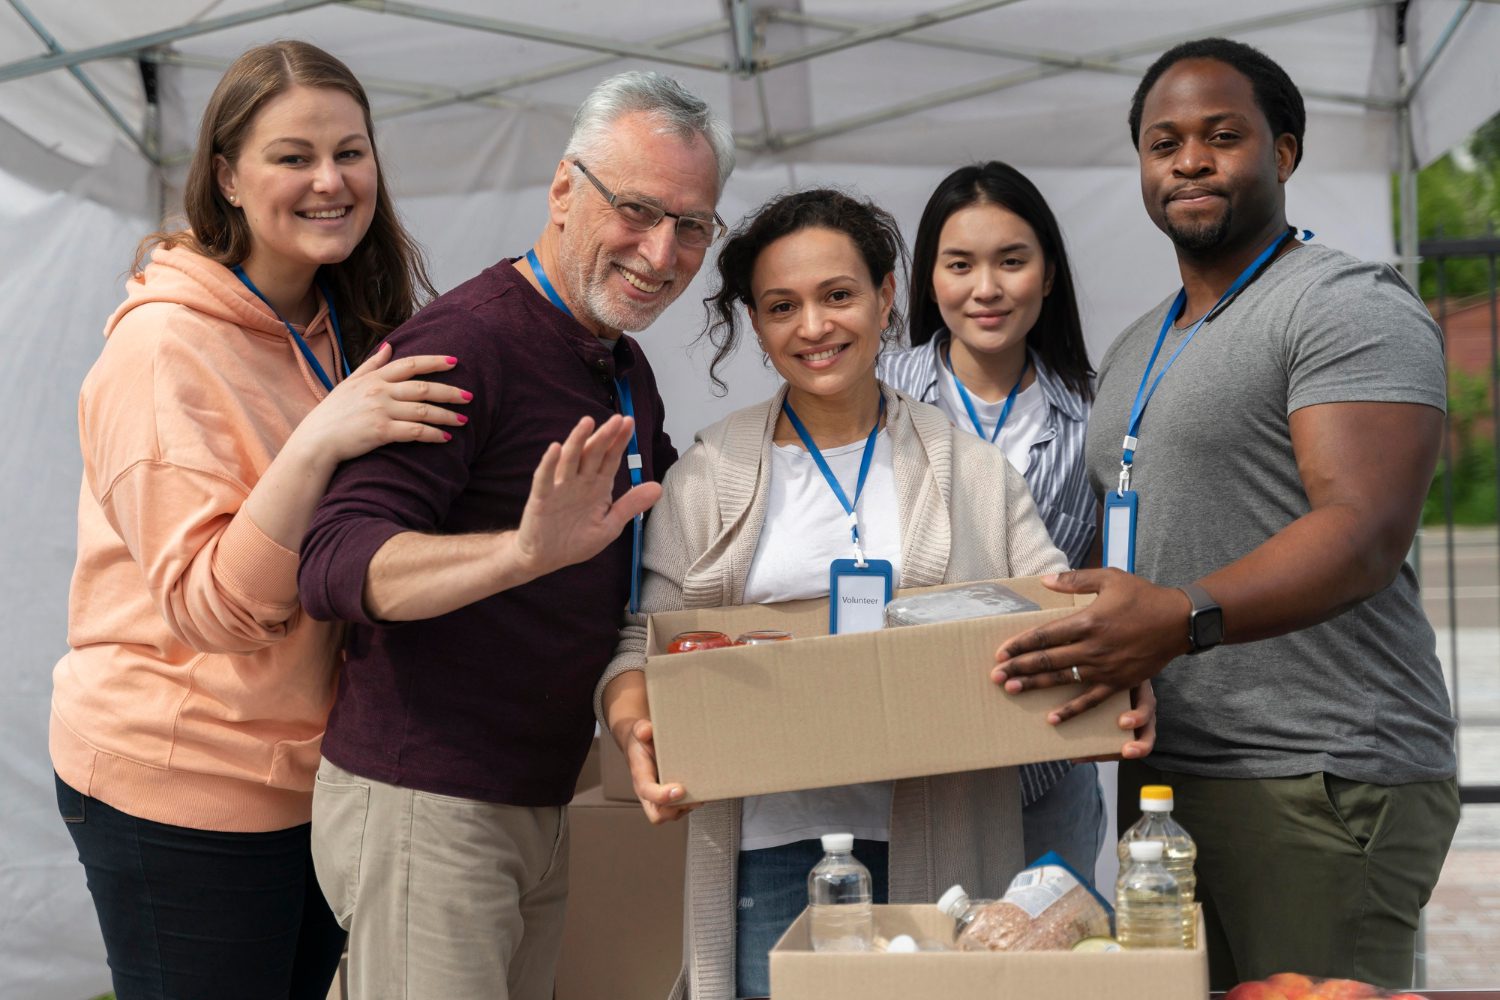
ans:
(444, 898)
(1312, 874)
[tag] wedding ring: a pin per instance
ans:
(1077, 677)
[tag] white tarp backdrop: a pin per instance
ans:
(473, 100)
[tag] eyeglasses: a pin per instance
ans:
(692, 230)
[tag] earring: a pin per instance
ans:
(234, 200)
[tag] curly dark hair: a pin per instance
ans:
(872, 230)
(1275, 94)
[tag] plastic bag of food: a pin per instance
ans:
(1048, 907)
(1295, 986)
(976, 600)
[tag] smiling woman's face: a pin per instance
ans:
(305, 178)
(818, 312)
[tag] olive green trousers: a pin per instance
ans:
(1313, 874)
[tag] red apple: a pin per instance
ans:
(1255, 991)
(1294, 985)
(1343, 989)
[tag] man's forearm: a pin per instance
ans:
(415, 576)
(1312, 570)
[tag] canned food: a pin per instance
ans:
(762, 635)
(687, 642)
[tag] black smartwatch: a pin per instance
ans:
(1206, 622)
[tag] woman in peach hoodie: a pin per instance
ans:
(187, 714)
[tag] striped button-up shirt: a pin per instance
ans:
(1057, 478)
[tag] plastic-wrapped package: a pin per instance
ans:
(976, 600)
(1047, 908)
(1295, 986)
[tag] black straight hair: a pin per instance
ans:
(869, 227)
(1057, 335)
(1275, 94)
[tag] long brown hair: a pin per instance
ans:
(383, 281)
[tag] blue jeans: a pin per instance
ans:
(773, 891)
(198, 913)
(1069, 819)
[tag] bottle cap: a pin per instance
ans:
(953, 901)
(1156, 798)
(1146, 850)
(902, 943)
(838, 841)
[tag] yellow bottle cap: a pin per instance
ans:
(1156, 797)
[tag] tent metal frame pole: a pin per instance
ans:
(138, 139)
(1059, 59)
(880, 31)
(133, 46)
(171, 57)
(1437, 50)
(515, 29)
(984, 87)
(953, 42)
(492, 90)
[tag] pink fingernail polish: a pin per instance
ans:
(385, 346)
(466, 394)
(447, 436)
(462, 419)
(452, 360)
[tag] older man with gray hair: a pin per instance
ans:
(484, 578)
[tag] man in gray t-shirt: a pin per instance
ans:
(1279, 469)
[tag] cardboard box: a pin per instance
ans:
(799, 973)
(622, 936)
(826, 710)
(614, 772)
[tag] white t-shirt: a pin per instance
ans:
(1027, 420)
(805, 530)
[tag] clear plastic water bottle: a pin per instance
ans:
(957, 904)
(1179, 853)
(839, 898)
(1148, 908)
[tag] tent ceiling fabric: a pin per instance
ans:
(829, 80)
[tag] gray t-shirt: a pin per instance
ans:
(1361, 695)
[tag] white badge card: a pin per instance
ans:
(1119, 529)
(857, 595)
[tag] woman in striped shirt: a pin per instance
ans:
(998, 347)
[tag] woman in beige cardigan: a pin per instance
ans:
(746, 517)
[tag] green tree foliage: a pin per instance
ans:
(1471, 454)
(1459, 196)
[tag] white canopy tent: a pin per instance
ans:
(99, 103)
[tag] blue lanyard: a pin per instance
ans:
(627, 408)
(307, 352)
(1142, 394)
(963, 394)
(833, 482)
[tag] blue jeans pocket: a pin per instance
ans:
(69, 801)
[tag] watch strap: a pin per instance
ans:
(1202, 602)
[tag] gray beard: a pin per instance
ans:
(1197, 239)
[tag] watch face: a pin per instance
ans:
(1208, 628)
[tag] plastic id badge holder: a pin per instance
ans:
(1120, 509)
(857, 595)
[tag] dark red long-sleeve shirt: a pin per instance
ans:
(492, 701)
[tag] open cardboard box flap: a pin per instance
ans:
(823, 710)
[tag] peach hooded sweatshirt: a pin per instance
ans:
(195, 691)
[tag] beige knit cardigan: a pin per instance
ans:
(965, 515)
